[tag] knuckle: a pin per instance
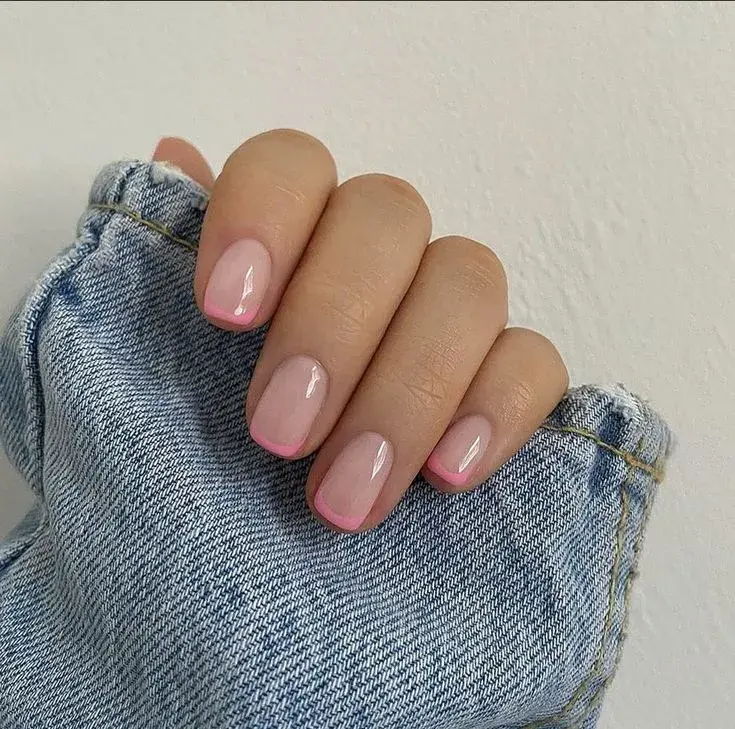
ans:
(545, 353)
(476, 268)
(418, 396)
(522, 396)
(423, 397)
(295, 149)
(532, 338)
(390, 193)
(293, 138)
(532, 373)
(348, 307)
(426, 383)
(348, 316)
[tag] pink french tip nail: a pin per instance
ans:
(238, 283)
(278, 449)
(289, 405)
(458, 453)
(352, 484)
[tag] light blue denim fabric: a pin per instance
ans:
(171, 574)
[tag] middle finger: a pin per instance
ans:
(355, 271)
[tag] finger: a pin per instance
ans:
(263, 209)
(440, 335)
(356, 270)
(186, 157)
(520, 382)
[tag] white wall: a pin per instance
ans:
(591, 145)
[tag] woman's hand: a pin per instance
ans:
(389, 355)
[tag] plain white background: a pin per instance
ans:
(591, 145)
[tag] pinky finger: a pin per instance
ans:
(519, 383)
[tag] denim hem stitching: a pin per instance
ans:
(599, 694)
(608, 624)
(656, 472)
(153, 225)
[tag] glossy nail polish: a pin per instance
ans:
(238, 283)
(352, 484)
(457, 454)
(289, 405)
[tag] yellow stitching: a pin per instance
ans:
(597, 700)
(632, 573)
(607, 625)
(157, 227)
(655, 471)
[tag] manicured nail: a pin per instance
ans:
(349, 489)
(238, 283)
(289, 405)
(457, 454)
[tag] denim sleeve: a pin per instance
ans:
(171, 574)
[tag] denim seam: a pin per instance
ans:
(599, 694)
(608, 623)
(656, 472)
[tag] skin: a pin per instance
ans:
(410, 337)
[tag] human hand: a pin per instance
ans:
(388, 355)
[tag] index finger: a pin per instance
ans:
(264, 207)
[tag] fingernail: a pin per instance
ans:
(457, 454)
(238, 283)
(289, 405)
(352, 484)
